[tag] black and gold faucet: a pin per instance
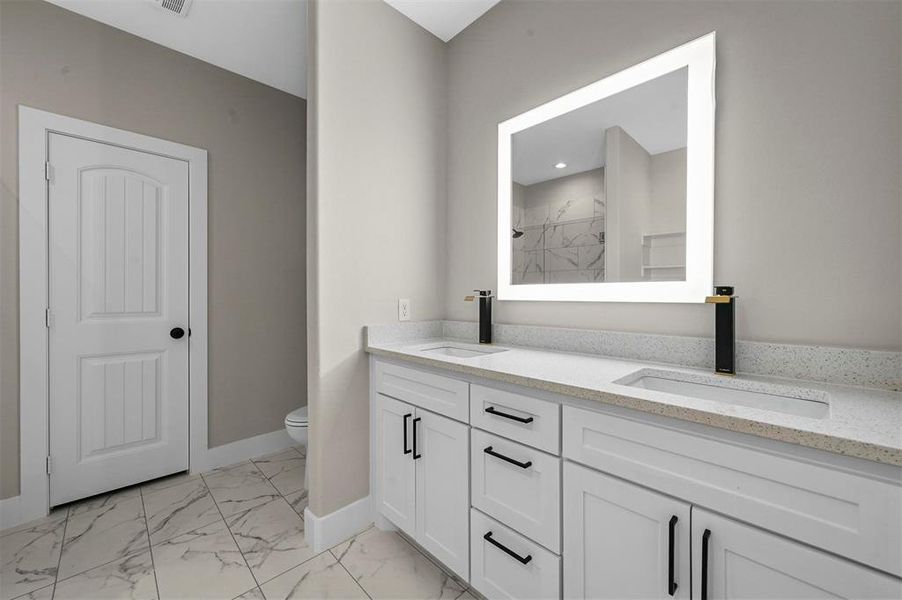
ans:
(724, 329)
(485, 314)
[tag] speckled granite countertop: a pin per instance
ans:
(861, 422)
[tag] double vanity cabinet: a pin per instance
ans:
(526, 494)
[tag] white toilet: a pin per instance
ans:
(296, 424)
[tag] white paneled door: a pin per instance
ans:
(118, 225)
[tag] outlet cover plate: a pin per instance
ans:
(403, 309)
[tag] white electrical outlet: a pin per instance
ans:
(403, 309)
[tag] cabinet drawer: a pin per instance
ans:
(442, 395)
(497, 567)
(527, 498)
(521, 418)
(850, 514)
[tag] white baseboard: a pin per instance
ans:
(10, 512)
(235, 452)
(325, 532)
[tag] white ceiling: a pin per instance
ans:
(653, 113)
(444, 18)
(264, 40)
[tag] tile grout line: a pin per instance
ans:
(292, 567)
(354, 579)
(454, 577)
(153, 565)
(303, 489)
(229, 529)
(59, 561)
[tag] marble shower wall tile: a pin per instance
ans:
(562, 259)
(179, 509)
(29, 557)
(554, 236)
(584, 233)
(533, 239)
(580, 276)
(389, 568)
(537, 215)
(518, 261)
(534, 262)
(271, 538)
(599, 206)
(846, 366)
(591, 257)
(205, 563)
(570, 209)
(239, 488)
(320, 578)
(129, 578)
(102, 535)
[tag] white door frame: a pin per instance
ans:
(35, 127)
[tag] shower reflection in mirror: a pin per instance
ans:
(599, 193)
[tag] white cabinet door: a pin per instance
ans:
(736, 561)
(441, 452)
(618, 539)
(395, 468)
(118, 295)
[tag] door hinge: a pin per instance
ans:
(48, 171)
(48, 318)
(48, 465)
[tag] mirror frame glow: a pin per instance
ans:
(699, 56)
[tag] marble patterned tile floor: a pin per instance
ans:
(233, 533)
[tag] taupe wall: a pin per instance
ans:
(377, 202)
(807, 223)
(255, 135)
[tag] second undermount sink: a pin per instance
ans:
(462, 351)
(765, 396)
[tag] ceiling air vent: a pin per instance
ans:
(175, 7)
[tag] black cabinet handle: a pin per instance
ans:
(176, 333)
(406, 449)
(522, 465)
(415, 455)
(705, 537)
(523, 559)
(491, 410)
(671, 584)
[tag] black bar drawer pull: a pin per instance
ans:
(406, 449)
(491, 410)
(705, 537)
(523, 559)
(415, 455)
(522, 465)
(671, 584)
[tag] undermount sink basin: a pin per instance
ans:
(461, 351)
(794, 401)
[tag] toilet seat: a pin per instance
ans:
(297, 418)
